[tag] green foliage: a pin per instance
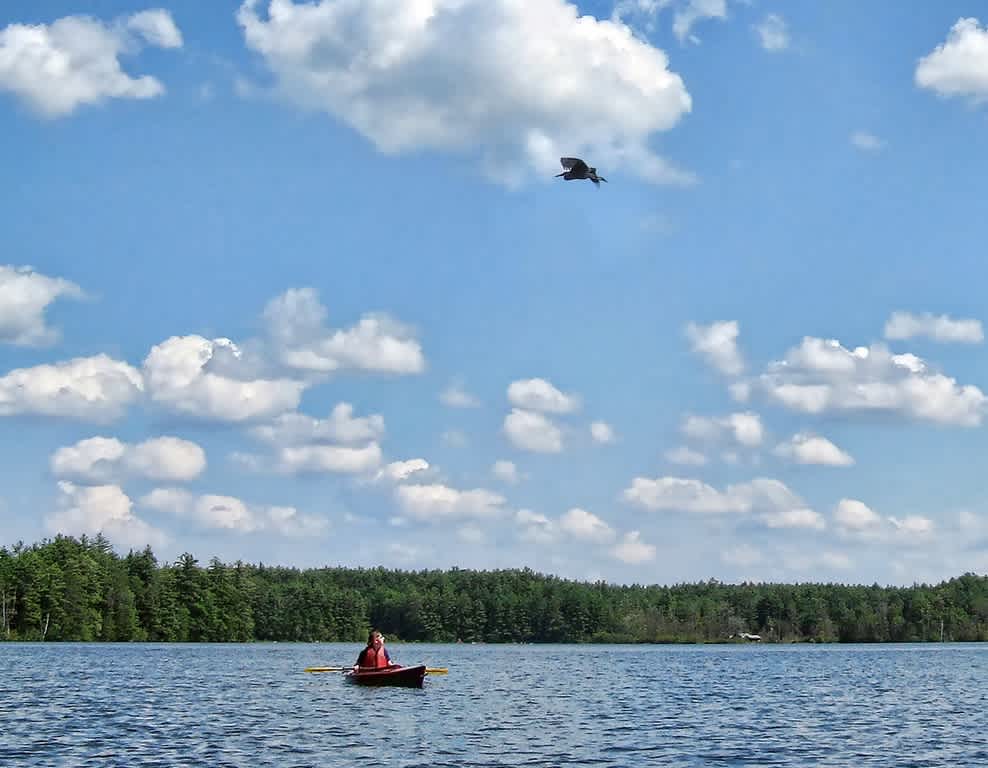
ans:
(69, 589)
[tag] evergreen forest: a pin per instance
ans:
(79, 589)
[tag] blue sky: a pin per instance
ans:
(295, 283)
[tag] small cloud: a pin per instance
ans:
(717, 345)
(632, 550)
(506, 471)
(581, 524)
(602, 432)
(772, 33)
(867, 142)
(804, 448)
(942, 328)
(532, 431)
(958, 66)
(541, 395)
(455, 396)
(685, 456)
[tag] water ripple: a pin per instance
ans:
(609, 706)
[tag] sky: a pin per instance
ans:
(296, 283)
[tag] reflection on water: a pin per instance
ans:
(251, 705)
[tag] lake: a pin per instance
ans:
(533, 705)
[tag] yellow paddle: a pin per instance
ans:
(428, 670)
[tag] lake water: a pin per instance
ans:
(252, 705)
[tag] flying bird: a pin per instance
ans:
(577, 169)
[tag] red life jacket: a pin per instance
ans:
(374, 658)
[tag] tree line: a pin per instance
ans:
(68, 589)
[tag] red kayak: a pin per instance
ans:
(407, 677)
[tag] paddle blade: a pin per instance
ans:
(324, 669)
(436, 671)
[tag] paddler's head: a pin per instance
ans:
(375, 639)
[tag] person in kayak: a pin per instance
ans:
(375, 655)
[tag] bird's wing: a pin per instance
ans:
(572, 163)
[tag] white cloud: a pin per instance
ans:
(694, 11)
(958, 66)
(804, 448)
(436, 502)
(289, 522)
(24, 297)
(455, 396)
(506, 471)
(912, 525)
(192, 375)
(94, 389)
(296, 325)
(230, 513)
(821, 376)
(686, 457)
(541, 395)
(427, 75)
(798, 517)
(632, 550)
(157, 27)
(742, 428)
(56, 68)
(867, 142)
(532, 432)
(906, 325)
(534, 527)
(681, 494)
(772, 33)
(338, 459)
(398, 471)
(853, 516)
(584, 525)
(773, 503)
(602, 432)
(101, 508)
(341, 427)
(717, 344)
(106, 459)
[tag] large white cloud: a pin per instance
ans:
(436, 502)
(770, 500)
(821, 376)
(906, 325)
(105, 459)
(296, 322)
(805, 448)
(541, 395)
(229, 513)
(532, 431)
(192, 375)
(95, 389)
(717, 345)
(101, 508)
(339, 459)
(24, 297)
(959, 65)
(518, 84)
(56, 68)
